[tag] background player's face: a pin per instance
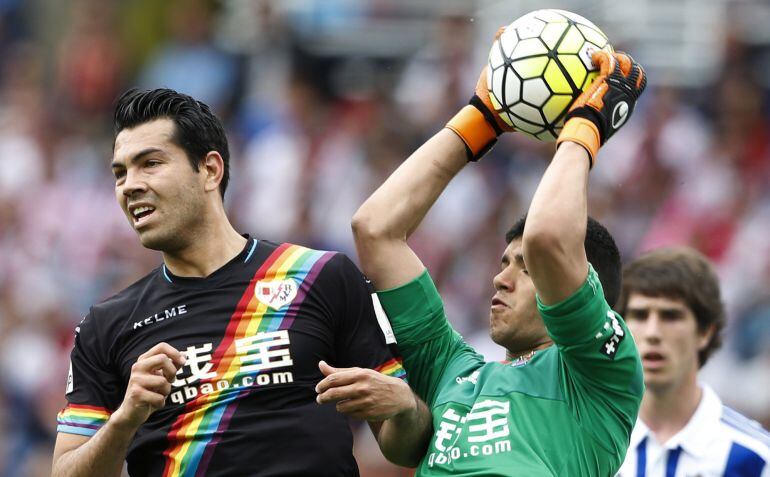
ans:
(151, 171)
(667, 335)
(513, 318)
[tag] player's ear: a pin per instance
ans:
(705, 335)
(213, 167)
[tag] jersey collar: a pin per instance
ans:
(702, 428)
(244, 256)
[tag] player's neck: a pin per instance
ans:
(215, 245)
(527, 353)
(667, 411)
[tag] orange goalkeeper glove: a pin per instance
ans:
(606, 105)
(477, 124)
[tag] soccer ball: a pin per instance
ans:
(538, 66)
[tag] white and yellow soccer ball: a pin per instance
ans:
(538, 66)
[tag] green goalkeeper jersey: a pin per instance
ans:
(567, 411)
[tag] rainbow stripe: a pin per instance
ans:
(197, 430)
(81, 419)
(394, 368)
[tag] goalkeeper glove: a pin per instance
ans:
(477, 124)
(606, 105)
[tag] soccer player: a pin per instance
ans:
(671, 301)
(567, 397)
(207, 365)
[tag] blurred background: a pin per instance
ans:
(322, 99)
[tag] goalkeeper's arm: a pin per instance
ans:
(390, 215)
(556, 222)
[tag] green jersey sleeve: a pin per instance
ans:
(601, 372)
(427, 342)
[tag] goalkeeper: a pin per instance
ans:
(565, 400)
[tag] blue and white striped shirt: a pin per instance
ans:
(717, 441)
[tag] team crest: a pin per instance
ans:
(276, 293)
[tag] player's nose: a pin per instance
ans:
(502, 281)
(652, 327)
(133, 184)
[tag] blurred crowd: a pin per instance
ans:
(316, 122)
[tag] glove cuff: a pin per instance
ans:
(584, 132)
(474, 129)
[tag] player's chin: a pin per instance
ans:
(499, 315)
(496, 329)
(657, 381)
(154, 239)
(493, 321)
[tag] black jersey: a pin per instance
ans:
(253, 333)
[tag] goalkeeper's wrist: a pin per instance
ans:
(473, 126)
(583, 132)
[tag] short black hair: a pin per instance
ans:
(197, 130)
(601, 251)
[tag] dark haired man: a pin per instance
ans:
(566, 399)
(207, 365)
(672, 304)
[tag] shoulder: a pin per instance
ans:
(324, 271)
(587, 301)
(746, 433)
(328, 262)
(114, 309)
(299, 256)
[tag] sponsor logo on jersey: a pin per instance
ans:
(262, 360)
(276, 293)
(172, 312)
(472, 378)
(610, 347)
(464, 434)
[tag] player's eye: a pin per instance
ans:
(638, 315)
(671, 315)
(119, 174)
(152, 163)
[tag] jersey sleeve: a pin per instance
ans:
(601, 370)
(93, 391)
(428, 343)
(365, 340)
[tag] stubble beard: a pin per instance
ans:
(514, 333)
(175, 232)
(499, 332)
(161, 240)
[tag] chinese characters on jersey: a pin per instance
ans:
(484, 430)
(201, 375)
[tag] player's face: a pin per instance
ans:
(157, 188)
(513, 318)
(667, 335)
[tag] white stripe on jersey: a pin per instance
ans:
(717, 441)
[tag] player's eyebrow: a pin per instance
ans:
(668, 310)
(637, 309)
(518, 259)
(138, 156)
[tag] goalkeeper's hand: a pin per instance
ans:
(477, 124)
(607, 104)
